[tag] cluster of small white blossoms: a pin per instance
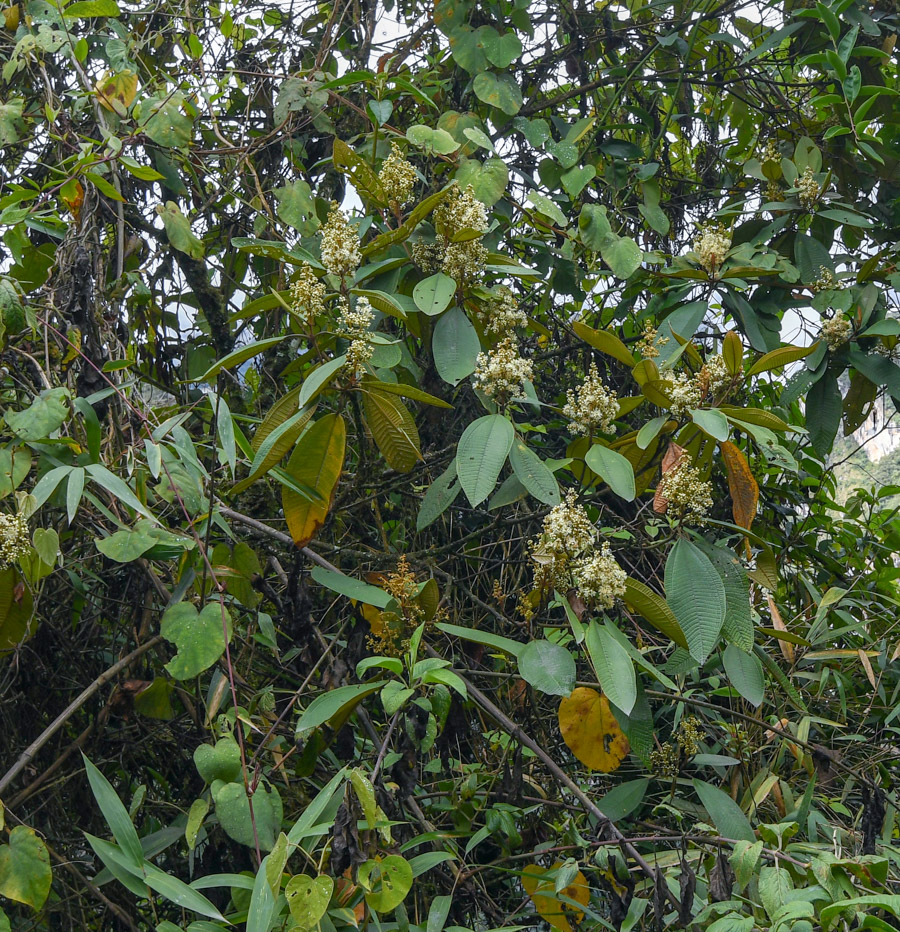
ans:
(770, 153)
(428, 256)
(502, 313)
(340, 244)
(14, 542)
(397, 177)
(826, 281)
(564, 556)
(689, 497)
(593, 407)
(355, 325)
(461, 211)
(649, 343)
(308, 294)
(501, 372)
(714, 377)
(836, 331)
(808, 189)
(600, 580)
(684, 394)
(711, 246)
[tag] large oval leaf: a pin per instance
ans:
(615, 671)
(696, 594)
(616, 471)
(454, 346)
(393, 428)
(591, 731)
(548, 667)
(530, 470)
(482, 451)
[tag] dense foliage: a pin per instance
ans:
(417, 500)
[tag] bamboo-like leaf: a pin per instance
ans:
(393, 428)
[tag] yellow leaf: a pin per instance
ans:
(116, 92)
(393, 428)
(591, 731)
(316, 462)
(11, 16)
(742, 485)
(733, 353)
(787, 649)
(539, 885)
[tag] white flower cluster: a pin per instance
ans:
(503, 314)
(826, 281)
(808, 189)
(355, 325)
(593, 407)
(684, 394)
(397, 177)
(836, 332)
(564, 557)
(711, 246)
(501, 372)
(688, 496)
(770, 154)
(714, 377)
(428, 256)
(340, 244)
(599, 579)
(461, 215)
(308, 294)
(14, 540)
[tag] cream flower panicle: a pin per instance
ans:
(502, 313)
(593, 407)
(340, 250)
(14, 540)
(355, 326)
(836, 332)
(397, 177)
(711, 246)
(461, 213)
(688, 496)
(684, 394)
(808, 189)
(501, 372)
(308, 294)
(715, 376)
(599, 578)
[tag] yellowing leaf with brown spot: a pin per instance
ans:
(316, 463)
(742, 485)
(539, 885)
(116, 92)
(591, 731)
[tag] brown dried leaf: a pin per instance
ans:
(671, 458)
(787, 649)
(742, 485)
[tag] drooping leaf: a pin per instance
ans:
(25, 874)
(455, 346)
(745, 673)
(653, 608)
(591, 731)
(615, 671)
(532, 472)
(742, 485)
(614, 469)
(233, 813)
(480, 456)
(726, 814)
(316, 462)
(548, 667)
(393, 428)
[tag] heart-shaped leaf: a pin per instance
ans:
(199, 637)
(219, 762)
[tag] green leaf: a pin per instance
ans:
(477, 636)
(623, 799)
(615, 671)
(738, 625)
(440, 496)
(319, 378)
(548, 667)
(548, 207)
(11, 123)
(811, 257)
(199, 637)
(435, 141)
(724, 811)
(434, 294)
(85, 9)
(712, 422)
(221, 761)
(653, 608)
(179, 232)
(25, 874)
(745, 859)
(261, 909)
(386, 881)
(489, 179)
(614, 469)
(622, 255)
(296, 207)
(593, 227)
(178, 892)
(455, 346)
(482, 451)
(115, 813)
(531, 471)
(746, 674)
(503, 50)
(15, 464)
(606, 342)
(350, 587)
(890, 903)
(823, 413)
(42, 417)
(696, 594)
(781, 357)
(498, 90)
(237, 357)
(308, 898)
(335, 702)
(233, 813)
